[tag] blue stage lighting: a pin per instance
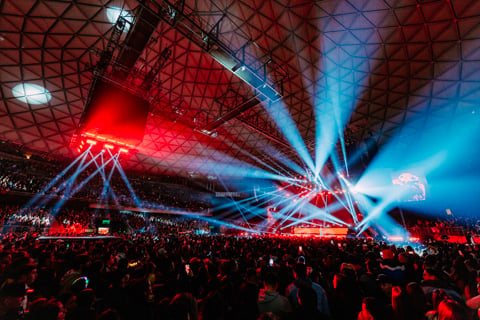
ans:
(79, 187)
(55, 180)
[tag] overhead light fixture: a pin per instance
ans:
(31, 93)
(212, 134)
(113, 13)
(238, 66)
(91, 142)
(248, 75)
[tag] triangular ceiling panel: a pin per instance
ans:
(388, 60)
(11, 22)
(17, 7)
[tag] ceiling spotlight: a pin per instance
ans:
(212, 134)
(237, 66)
(91, 142)
(31, 93)
(113, 13)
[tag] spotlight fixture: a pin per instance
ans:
(247, 74)
(113, 13)
(91, 142)
(212, 134)
(31, 93)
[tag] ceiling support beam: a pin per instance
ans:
(238, 110)
(190, 25)
(137, 39)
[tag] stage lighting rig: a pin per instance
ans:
(118, 103)
(112, 116)
(97, 144)
(212, 134)
(263, 74)
(252, 71)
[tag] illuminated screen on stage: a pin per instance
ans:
(115, 114)
(412, 184)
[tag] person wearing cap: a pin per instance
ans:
(12, 296)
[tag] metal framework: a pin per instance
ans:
(401, 67)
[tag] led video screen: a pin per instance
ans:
(115, 114)
(412, 184)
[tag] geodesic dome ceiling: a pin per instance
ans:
(388, 64)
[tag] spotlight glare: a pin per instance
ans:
(31, 93)
(91, 142)
(113, 13)
(395, 238)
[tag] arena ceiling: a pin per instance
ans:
(399, 64)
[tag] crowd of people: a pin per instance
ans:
(447, 225)
(18, 218)
(30, 218)
(80, 221)
(31, 176)
(171, 275)
(175, 268)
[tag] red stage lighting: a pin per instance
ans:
(113, 119)
(91, 142)
(114, 114)
(395, 239)
(98, 144)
